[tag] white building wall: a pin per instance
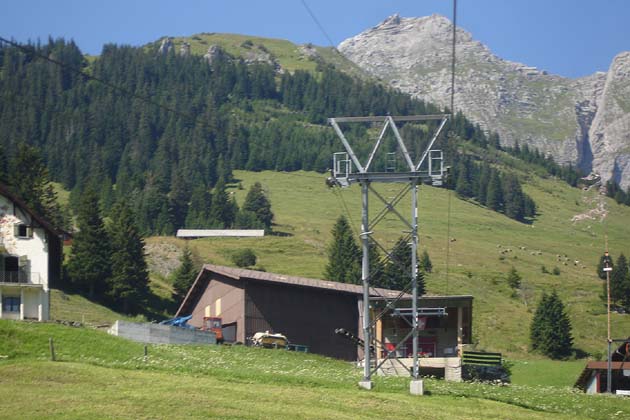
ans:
(35, 301)
(35, 248)
(31, 303)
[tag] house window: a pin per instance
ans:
(23, 231)
(11, 304)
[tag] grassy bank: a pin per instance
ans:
(99, 375)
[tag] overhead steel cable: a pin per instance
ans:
(319, 25)
(450, 193)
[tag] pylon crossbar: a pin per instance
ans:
(382, 118)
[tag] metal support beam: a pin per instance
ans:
(365, 275)
(414, 274)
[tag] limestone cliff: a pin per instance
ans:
(579, 121)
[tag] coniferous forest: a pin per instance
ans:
(165, 131)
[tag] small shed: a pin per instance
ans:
(594, 377)
(220, 233)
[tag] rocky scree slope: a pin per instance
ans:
(585, 121)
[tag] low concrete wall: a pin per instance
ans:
(161, 334)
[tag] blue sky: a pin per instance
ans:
(571, 38)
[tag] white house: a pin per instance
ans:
(30, 260)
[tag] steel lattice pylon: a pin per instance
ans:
(348, 169)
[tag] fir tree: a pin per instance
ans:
(550, 330)
(89, 266)
(199, 208)
(257, 202)
(425, 262)
(619, 281)
(398, 268)
(514, 279)
(29, 179)
(494, 194)
(129, 281)
(344, 256)
(184, 276)
(222, 211)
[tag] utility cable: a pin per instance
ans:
(448, 212)
(319, 25)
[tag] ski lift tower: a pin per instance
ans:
(348, 169)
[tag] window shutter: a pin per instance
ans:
(29, 232)
(16, 230)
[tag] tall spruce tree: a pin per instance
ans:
(223, 209)
(29, 179)
(514, 279)
(129, 282)
(344, 255)
(550, 330)
(257, 203)
(89, 265)
(425, 263)
(619, 282)
(184, 276)
(398, 268)
(494, 193)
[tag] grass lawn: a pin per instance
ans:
(103, 376)
(484, 246)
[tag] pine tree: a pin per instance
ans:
(425, 262)
(398, 268)
(463, 186)
(184, 276)
(494, 194)
(129, 282)
(89, 266)
(619, 281)
(550, 330)
(199, 208)
(344, 255)
(514, 279)
(513, 198)
(257, 202)
(222, 209)
(29, 179)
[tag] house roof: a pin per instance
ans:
(243, 274)
(5, 191)
(593, 365)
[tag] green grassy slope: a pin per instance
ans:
(290, 56)
(103, 376)
(306, 209)
(68, 307)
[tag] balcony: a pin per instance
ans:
(20, 277)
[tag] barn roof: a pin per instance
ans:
(244, 274)
(591, 366)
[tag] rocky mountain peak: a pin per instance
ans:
(522, 103)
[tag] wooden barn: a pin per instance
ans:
(308, 311)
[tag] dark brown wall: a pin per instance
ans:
(305, 315)
(232, 303)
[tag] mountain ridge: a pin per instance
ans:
(522, 103)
